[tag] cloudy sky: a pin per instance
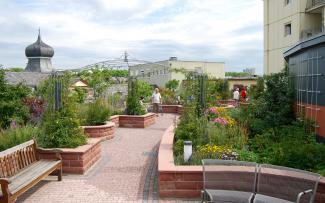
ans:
(83, 32)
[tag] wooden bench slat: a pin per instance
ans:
(29, 174)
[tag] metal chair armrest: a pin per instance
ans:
(301, 194)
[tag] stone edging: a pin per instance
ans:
(77, 160)
(187, 181)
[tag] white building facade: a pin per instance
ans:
(160, 73)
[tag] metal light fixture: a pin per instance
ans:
(187, 150)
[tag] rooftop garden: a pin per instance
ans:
(265, 131)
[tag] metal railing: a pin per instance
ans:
(314, 3)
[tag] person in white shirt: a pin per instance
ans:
(156, 100)
(236, 95)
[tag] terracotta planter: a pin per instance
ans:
(105, 132)
(77, 160)
(137, 121)
(187, 181)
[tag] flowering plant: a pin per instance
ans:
(218, 152)
(220, 116)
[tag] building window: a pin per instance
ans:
(287, 2)
(161, 72)
(287, 29)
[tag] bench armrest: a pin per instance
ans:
(303, 193)
(56, 151)
(4, 182)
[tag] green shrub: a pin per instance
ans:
(15, 136)
(60, 127)
(12, 107)
(133, 105)
(94, 113)
(290, 146)
(245, 155)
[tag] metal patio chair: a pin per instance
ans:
(228, 181)
(277, 184)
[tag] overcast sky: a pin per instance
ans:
(84, 32)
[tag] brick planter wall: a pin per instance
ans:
(105, 132)
(171, 108)
(187, 181)
(80, 159)
(137, 121)
(115, 119)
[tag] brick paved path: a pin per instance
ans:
(127, 171)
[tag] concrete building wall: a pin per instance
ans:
(161, 72)
(276, 42)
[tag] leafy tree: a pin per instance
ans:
(236, 74)
(80, 94)
(97, 79)
(172, 84)
(144, 89)
(15, 69)
(11, 102)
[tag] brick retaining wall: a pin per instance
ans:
(105, 132)
(80, 159)
(143, 121)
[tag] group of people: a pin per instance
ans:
(240, 95)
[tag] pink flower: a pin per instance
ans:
(213, 110)
(221, 121)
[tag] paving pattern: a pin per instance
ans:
(127, 171)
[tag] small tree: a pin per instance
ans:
(172, 84)
(60, 124)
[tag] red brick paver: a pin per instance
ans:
(119, 176)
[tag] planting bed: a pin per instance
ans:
(80, 159)
(187, 181)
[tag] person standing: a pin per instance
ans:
(236, 95)
(156, 100)
(244, 94)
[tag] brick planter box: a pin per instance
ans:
(137, 121)
(105, 132)
(80, 159)
(172, 108)
(187, 181)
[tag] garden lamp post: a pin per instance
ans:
(187, 150)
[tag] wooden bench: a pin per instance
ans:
(21, 169)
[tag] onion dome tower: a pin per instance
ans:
(39, 56)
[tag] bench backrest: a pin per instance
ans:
(229, 175)
(286, 183)
(16, 158)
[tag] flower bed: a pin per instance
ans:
(105, 132)
(187, 181)
(131, 121)
(77, 160)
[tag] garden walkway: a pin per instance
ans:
(127, 171)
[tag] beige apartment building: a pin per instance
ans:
(287, 22)
(159, 73)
